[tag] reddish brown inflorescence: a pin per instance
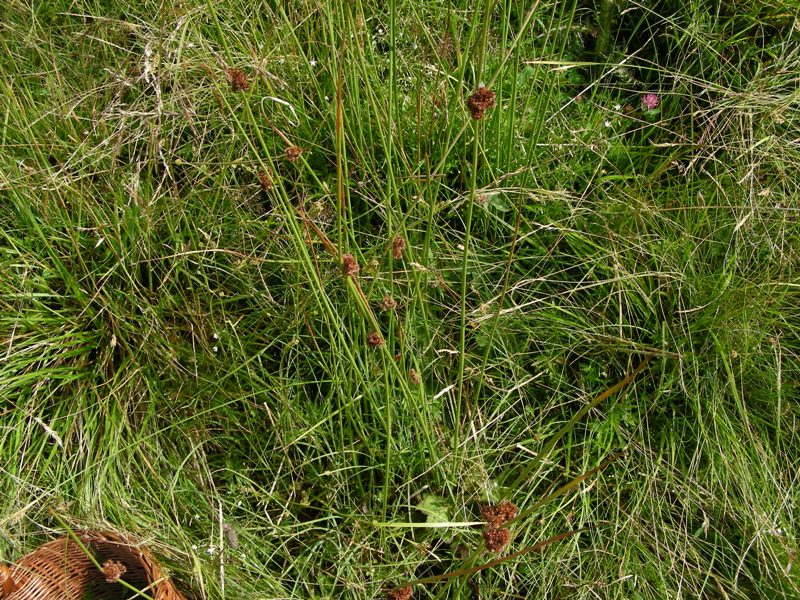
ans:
(293, 153)
(414, 376)
(398, 245)
(480, 102)
(113, 570)
(265, 181)
(374, 340)
(495, 535)
(388, 303)
(349, 265)
(497, 515)
(496, 539)
(403, 593)
(238, 80)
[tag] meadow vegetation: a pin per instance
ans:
(280, 296)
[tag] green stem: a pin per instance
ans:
(500, 303)
(497, 561)
(548, 447)
(468, 234)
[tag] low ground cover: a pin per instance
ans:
(297, 292)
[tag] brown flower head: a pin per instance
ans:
(480, 101)
(231, 537)
(266, 182)
(414, 376)
(445, 48)
(496, 515)
(374, 340)
(388, 303)
(238, 80)
(113, 570)
(398, 245)
(349, 265)
(496, 539)
(293, 153)
(403, 593)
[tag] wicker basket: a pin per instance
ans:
(61, 570)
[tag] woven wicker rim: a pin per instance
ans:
(61, 570)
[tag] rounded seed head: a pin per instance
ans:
(388, 303)
(481, 101)
(113, 570)
(293, 153)
(265, 180)
(496, 539)
(496, 515)
(398, 245)
(374, 340)
(403, 593)
(238, 80)
(349, 265)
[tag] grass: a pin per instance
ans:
(183, 355)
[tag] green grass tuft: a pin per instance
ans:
(184, 356)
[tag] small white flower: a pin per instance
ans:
(617, 107)
(215, 336)
(215, 348)
(312, 62)
(194, 546)
(608, 123)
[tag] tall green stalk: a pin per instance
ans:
(460, 400)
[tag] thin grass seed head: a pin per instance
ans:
(231, 537)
